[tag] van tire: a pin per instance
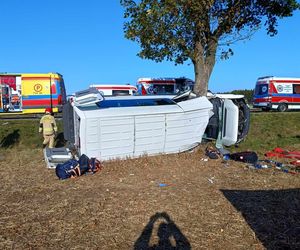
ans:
(282, 107)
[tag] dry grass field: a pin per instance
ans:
(176, 201)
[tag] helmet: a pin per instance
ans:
(48, 110)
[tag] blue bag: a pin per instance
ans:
(88, 165)
(66, 170)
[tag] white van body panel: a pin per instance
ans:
(122, 132)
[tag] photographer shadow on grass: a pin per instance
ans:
(11, 139)
(168, 234)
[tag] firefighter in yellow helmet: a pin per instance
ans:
(48, 127)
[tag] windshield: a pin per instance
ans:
(261, 89)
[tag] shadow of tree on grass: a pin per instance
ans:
(11, 139)
(274, 215)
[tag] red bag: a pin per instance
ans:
(281, 153)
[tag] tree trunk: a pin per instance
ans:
(203, 66)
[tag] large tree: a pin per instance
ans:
(198, 30)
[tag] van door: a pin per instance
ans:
(5, 98)
(230, 122)
(296, 95)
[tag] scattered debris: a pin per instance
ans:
(212, 153)
(211, 179)
(162, 185)
(282, 153)
(267, 164)
(296, 163)
(253, 162)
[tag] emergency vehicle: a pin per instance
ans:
(31, 92)
(114, 89)
(164, 86)
(277, 93)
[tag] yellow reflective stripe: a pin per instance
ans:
(48, 130)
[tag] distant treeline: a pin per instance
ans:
(248, 93)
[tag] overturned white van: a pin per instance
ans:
(121, 127)
(132, 126)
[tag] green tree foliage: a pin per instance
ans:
(196, 30)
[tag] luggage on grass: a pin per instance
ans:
(247, 156)
(73, 168)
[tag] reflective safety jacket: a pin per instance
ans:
(48, 125)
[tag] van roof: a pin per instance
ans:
(113, 86)
(277, 78)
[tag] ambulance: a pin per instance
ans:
(279, 93)
(30, 93)
(164, 86)
(115, 89)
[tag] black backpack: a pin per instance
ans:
(247, 156)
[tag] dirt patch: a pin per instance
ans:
(148, 203)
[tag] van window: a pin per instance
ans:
(63, 90)
(134, 103)
(296, 89)
(53, 88)
(261, 89)
(159, 89)
(120, 92)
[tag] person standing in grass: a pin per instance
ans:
(48, 127)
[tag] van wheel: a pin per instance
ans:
(282, 107)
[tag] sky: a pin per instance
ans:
(84, 41)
